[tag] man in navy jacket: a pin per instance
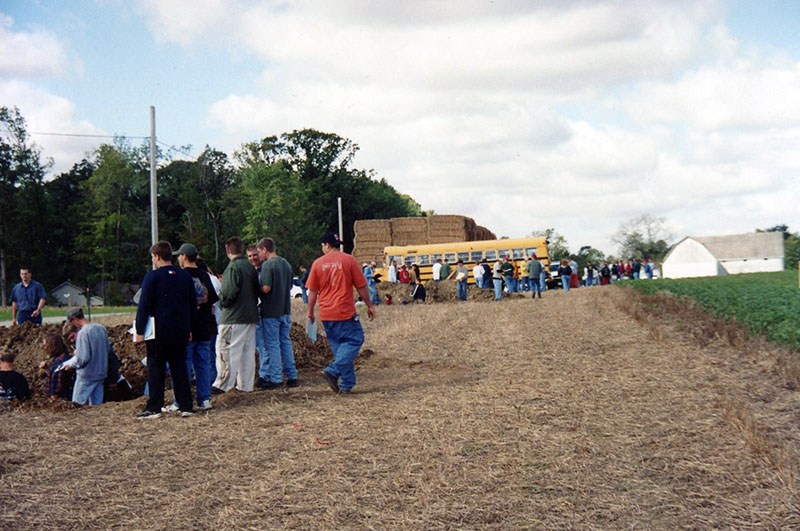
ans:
(168, 295)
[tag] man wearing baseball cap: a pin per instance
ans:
(331, 281)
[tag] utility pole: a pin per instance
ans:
(153, 181)
(341, 226)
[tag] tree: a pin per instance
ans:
(557, 247)
(642, 237)
(791, 245)
(22, 232)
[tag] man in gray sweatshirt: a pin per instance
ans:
(90, 361)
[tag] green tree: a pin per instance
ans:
(277, 205)
(22, 205)
(792, 251)
(642, 237)
(557, 247)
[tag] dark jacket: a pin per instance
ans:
(168, 295)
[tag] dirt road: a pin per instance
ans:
(556, 413)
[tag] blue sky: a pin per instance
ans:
(578, 115)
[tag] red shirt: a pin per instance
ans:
(333, 276)
(403, 276)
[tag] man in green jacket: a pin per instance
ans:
(236, 337)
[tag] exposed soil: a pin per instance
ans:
(587, 409)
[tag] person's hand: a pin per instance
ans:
(371, 312)
(43, 364)
(138, 338)
(311, 316)
(35, 313)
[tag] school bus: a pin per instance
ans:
(470, 252)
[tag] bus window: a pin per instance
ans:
(410, 260)
(490, 255)
(502, 253)
(450, 258)
(476, 256)
(393, 257)
(423, 259)
(529, 251)
(517, 254)
(464, 256)
(435, 258)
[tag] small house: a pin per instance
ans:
(68, 294)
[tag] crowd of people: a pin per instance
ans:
(190, 321)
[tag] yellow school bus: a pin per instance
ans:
(470, 252)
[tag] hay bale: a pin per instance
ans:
(373, 229)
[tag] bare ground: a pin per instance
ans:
(574, 411)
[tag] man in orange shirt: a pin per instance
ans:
(331, 281)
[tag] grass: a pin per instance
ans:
(5, 312)
(765, 303)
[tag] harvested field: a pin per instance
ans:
(573, 411)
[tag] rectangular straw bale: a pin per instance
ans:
(410, 237)
(377, 229)
(437, 223)
(409, 225)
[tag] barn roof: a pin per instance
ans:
(753, 245)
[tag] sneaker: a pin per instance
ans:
(270, 385)
(189, 413)
(292, 383)
(205, 405)
(216, 390)
(148, 415)
(332, 380)
(260, 381)
(172, 408)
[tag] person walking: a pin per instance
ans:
(276, 316)
(236, 333)
(331, 281)
(168, 298)
(565, 272)
(534, 271)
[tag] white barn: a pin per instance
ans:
(706, 256)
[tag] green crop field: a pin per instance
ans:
(767, 303)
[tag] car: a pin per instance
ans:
(553, 279)
(297, 289)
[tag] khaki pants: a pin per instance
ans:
(236, 365)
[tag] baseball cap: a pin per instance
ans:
(331, 238)
(189, 250)
(74, 312)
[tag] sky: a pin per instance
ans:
(575, 115)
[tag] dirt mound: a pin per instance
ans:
(444, 291)
(26, 342)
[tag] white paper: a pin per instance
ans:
(311, 330)
(149, 329)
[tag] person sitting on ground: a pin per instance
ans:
(387, 299)
(418, 293)
(13, 385)
(57, 383)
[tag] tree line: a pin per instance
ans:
(91, 224)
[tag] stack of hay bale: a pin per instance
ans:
(372, 235)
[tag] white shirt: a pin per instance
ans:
(392, 273)
(437, 267)
(477, 271)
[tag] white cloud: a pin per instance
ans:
(33, 54)
(45, 112)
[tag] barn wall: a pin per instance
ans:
(733, 267)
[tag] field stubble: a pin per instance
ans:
(570, 411)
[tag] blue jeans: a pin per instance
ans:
(198, 355)
(510, 284)
(535, 287)
(263, 355)
(542, 283)
(498, 288)
(373, 291)
(212, 359)
(304, 294)
(88, 392)
(636, 275)
(524, 285)
(345, 338)
(275, 332)
(25, 315)
(462, 290)
(565, 282)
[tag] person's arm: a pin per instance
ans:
(363, 292)
(13, 313)
(231, 286)
(38, 310)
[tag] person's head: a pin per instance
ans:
(75, 316)
(69, 333)
(373, 264)
(303, 269)
(394, 262)
(387, 297)
(438, 260)
(460, 263)
(330, 242)
(161, 253)
(533, 256)
(254, 257)
(564, 262)
(234, 246)
(187, 255)
(25, 275)
(7, 360)
(266, 248)
(53, 345)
